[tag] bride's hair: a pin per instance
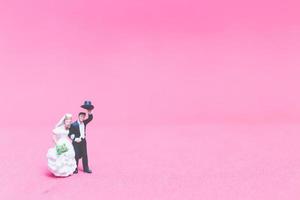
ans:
(62, 120)
(68, 116)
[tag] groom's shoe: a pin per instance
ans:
(76, 171)
(88, 171)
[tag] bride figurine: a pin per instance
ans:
(61, 157)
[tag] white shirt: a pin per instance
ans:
(81, 128)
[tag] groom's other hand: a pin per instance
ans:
(77, 140)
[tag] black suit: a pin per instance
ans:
(80, 147)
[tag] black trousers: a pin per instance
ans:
(81, 152)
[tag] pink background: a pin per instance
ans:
(194, 99)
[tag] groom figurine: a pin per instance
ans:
(77, 133)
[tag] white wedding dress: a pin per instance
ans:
(65, 163)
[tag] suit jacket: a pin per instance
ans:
(75, 130)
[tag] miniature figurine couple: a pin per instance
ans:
(63, 157)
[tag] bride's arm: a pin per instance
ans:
(55, 132)
(54, 138)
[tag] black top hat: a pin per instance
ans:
(87, 105)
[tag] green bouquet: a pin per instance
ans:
(61, 149)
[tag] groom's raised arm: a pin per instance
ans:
(90, 117)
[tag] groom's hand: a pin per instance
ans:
(77, 140)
